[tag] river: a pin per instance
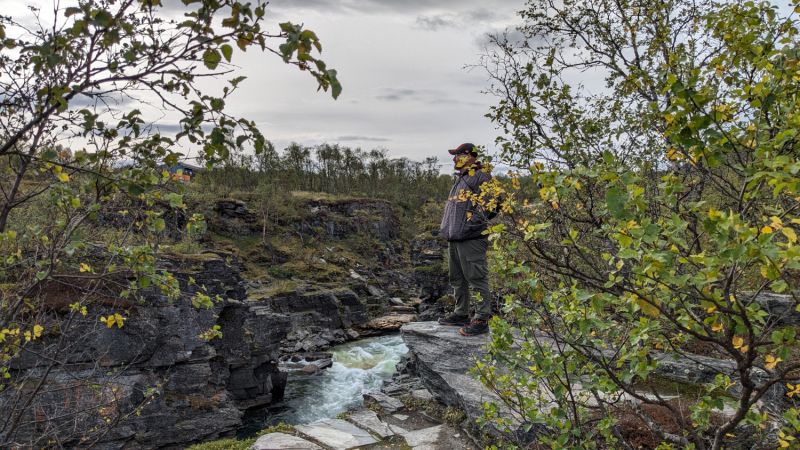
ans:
(358, 367)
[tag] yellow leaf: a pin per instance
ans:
(744, 349)
(716, 327)
(711, 310)
(766, 230)
(555, 205)
(772, 362)
(776, 219)
(647, 308)
(64, 177)
(737, 342)
(577, 185)
(789, 233)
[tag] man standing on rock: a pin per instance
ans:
(463, 227)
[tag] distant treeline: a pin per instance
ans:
(332, 169)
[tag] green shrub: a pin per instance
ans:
(225, 444)
(280, 271)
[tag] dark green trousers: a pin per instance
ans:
(468, 267)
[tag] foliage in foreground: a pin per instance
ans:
(81, 227)
(666, 205)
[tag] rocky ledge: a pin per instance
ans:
(442, 358)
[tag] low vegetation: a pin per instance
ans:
(646, 218)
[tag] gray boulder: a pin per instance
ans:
(274, 441)
(389, 404)
(443, 358)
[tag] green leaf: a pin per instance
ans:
(336, 89)
(217, 104)
(615, 201)
(211, 58)
(175, 200)
(227, 51)
(785, 353)
(41, 275)
(135, 190)
(159, 224)
(779, 286)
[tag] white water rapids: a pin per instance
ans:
(358, 367)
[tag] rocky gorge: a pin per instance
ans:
(168, 385)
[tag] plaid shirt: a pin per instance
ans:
(457, 224)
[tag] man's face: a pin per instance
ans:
(463, 161)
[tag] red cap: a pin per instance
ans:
(464, 148)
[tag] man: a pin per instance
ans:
(462, 226)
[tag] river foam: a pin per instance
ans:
(358, 367)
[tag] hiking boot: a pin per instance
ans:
(476, 327)
(455, 320)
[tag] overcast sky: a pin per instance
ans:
(401, 63)
(402, 67)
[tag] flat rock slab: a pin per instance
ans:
(389, 404)
(445, 357)
(391, 322)
(422, 394)
(400, 416)
(274, 441)
(369, 421)
(398, 430)
(336, 433)
(424, 438)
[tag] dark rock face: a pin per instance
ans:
(234, 216)
(185, 385)
(428, 254)
(781, 308)
(316, 320)
(342, 219)
(191, 389)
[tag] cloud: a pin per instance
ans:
(426, 96)
(393, 94)
(435, 22)
(374, 6)
(467, 19)
(362, 138)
